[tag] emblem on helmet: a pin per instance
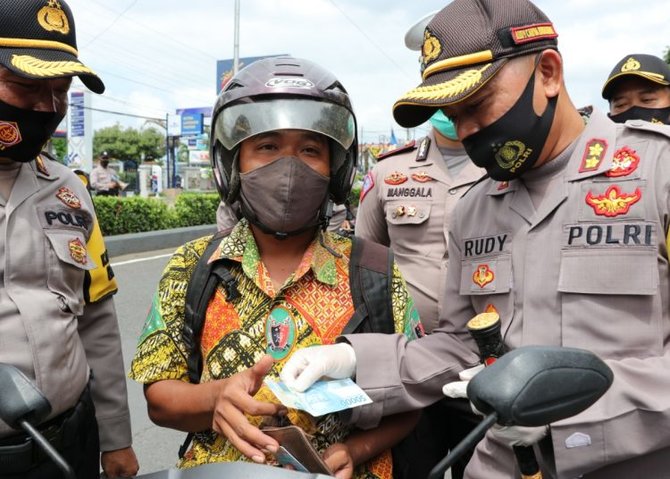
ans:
(53, 19)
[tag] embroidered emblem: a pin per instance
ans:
(512, 155)
(53, 19)
(503, 185)
(431, 48)
(625, 161)
(368, 184)
(422, 177)
(483, 275)
(613, 202)
(631, 65)
(41, 165)
(594, 153)
(41, 68)
(78, 251)
(67, 196)
(9, 134)
(449, 89)
(279, 333)
(533, 33)
(395, 178)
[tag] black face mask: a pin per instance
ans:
(511, 145)
(104, 163)
(653, 115)
(23, 133)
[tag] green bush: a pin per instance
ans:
(193, 209)
(132, 215)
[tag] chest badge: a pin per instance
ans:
(279, 333)
(422, 177)
(594, 153)
(395, 178)
(77, 251)
(613, 202)
(625, 161)
(483, 275)
(67, 196)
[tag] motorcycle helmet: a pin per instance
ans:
(283, 93)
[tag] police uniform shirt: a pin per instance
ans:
(406, 204)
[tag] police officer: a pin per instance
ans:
(638, 88)
(57, 319)
(567, 241)
(406, 204)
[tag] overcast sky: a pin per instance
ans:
(158, 56)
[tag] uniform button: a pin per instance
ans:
(452, 191)
(422, 214)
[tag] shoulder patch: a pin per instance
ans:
(403, 149)
(368, 183)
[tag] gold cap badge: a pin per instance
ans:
(53, 19)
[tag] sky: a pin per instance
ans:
(159, 56)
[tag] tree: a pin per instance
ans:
(129, 143)
(666, 55)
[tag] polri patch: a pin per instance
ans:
(77, 251)
(68, 197)
(368, 184)
(395, 178)
(613, 202)
(279, 333)
(625, 161)
(594, 153)
(483, 275)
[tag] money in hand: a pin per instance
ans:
(323, 397)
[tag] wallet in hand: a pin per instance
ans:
(296, 450)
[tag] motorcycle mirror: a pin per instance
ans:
(20, 399)
(538, 385)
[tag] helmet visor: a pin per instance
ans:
(239, 122)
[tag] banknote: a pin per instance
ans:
(322, 397)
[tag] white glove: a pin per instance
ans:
(308, 365)
(458, 389)
(519, 435)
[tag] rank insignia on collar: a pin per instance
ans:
(613, 202)
(503, 185)
(625, 161)
(422, 177)
(594, 153)
(41, 165)
(395, 178)
(77, 251)
(422, 153)
(483, 275)
(67, 196)
(368, 184)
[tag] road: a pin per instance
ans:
(138, 276)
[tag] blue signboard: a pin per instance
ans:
(77, 123)
(192, 124)
(224, 68)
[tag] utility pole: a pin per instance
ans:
(236, 51)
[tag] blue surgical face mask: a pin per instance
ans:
(444, 125)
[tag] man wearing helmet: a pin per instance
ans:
(284, 148)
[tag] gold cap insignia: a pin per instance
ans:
(10, 134)
(53, 19)
(631, 65)
(431, 48)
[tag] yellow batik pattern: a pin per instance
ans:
(318, 300)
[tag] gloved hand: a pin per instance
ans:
(308, 365)
(519, 435)
(458, 389)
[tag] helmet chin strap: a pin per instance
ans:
(325, 213)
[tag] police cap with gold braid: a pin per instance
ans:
(465, 45)
(641, 65)
(38, 40)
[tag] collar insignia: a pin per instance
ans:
(395, 178)
(41, 165)
(53, 19)
(77, 251)
(422, 154)
(625, 161)
(483, 275)
(503, 185)
(594, 153)
(613, 202)
(422, 177)
(67, 196)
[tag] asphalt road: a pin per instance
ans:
(138, 276)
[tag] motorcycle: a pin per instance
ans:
(530, 386)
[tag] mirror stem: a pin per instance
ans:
(48, 448)
(468, 442)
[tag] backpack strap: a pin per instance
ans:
(370, 278)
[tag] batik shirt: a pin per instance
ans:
(311, 308)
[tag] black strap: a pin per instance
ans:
(370, 280)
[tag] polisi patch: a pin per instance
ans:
(483, 275)
(395, 178)
(66, 218)
(77, 251)
(609, 234)
(422, 177)
(613, 202)
(625, 161)
(68, 197)
(288, 82)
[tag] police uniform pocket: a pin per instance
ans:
(67, 260)
(407, 213)
(610, 303)
(488, 275)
